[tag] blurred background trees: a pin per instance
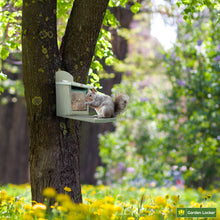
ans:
(170, 131)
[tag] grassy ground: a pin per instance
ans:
(103, 202)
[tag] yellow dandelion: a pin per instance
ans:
(27, 207)
(27, 217)
(93, 193)
(166, 211)
(142, 190)
(68, 205)
(209, 196)
(118, 209)
(49, 192)
(147, 206)
(160, 201)
(214, 191)
(62, 197)
(3, 195)
(130, 218)
(170, 206)
(175, 198)
(148, 218)
(67, 189)
(98, 212)
(205, 197)
(12, 199)
(156, 207)
(39, 206)
(97, 203)
(62, 209)
(147, 212)
(195, 205)
(167, 196)
(109, 199)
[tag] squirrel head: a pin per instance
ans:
(90, 95)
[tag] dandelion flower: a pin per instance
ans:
(3, 195)
(62, 209)
(27, 207)
(209, 196)
(93, 193)
(130, 218)
(175, 198)
(39, 206)
(27, 217)
(160, 201)
(109, 199)
(167, 196)
(67, 189)
(62, 198)
(49, 192)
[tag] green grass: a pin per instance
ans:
(104, 202)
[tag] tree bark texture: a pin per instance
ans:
(54, 141)
(78, 45)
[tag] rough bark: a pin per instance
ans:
(54, 142)
(81, 35)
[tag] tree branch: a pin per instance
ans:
(81, 35)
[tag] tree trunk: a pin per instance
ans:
(54, 141)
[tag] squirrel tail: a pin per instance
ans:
(120, 102)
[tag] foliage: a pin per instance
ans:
(10, 29)
(193, 127)
(2, 77)
(10, 26)
(102, 202)
(104, 47)
(191, 8)
(171, 135)
(133, 153)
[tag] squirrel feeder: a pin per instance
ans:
(70, 99)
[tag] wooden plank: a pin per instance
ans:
(90, 118)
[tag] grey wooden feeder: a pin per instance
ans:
(70, 99)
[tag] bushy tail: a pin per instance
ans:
(120, 102)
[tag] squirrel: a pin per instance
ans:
(104, 104)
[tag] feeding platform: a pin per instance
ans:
(70, 99)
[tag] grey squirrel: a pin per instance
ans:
(104, 104)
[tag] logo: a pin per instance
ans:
(181, 212)
(196, 212)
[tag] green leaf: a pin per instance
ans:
(3, 76)
(111, 19)
(4, 53)
(136, 7)
(123, 2)
(109, 60)
(178, 4)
